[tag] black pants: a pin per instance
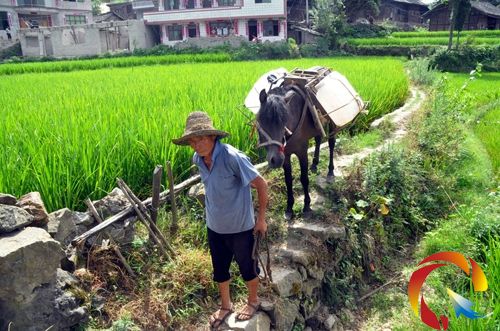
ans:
(223, 247)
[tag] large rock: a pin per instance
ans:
(28, 263)
(122, 232)
(7, 199)
(67, 307)
(65, 224)
(286, 312)
(286, 282)
(33, 204)
(111, 204)
(13, 218)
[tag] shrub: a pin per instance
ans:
(365, 31)
(467, 58)
(441, 133)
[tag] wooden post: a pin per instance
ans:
(117, 251)
(155, 197)
(174, 226)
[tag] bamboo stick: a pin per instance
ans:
(174, 226)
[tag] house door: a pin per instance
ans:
(252, 30)
(492, 22)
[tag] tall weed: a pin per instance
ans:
(421, 72)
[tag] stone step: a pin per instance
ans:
(286, 281)
(296, 249)
(259, 322)
(320, 230)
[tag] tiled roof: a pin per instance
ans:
(486, 8)
(483, 7)
(412, 2)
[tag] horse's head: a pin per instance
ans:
(271, 124)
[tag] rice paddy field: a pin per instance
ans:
(69, 135)
(434, 38)
(485, 93)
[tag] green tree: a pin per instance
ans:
(328, 18)
(96, 7)
(459, 11)
(353, 7)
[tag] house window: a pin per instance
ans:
(174, 32)
(271, 28)
(171, 4)
(226, 3)
(221, 29)
(263, 1)
(192, 30)
(206, 3)
(76, 19)
(190, 4)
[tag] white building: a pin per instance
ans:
(19, 14)
(179, 20)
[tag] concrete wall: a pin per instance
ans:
(140, 35)
(86, 39)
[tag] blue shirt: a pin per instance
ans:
(228, 197)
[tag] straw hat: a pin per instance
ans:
(198, 124)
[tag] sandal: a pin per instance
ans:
(247, 316)
(215, 322)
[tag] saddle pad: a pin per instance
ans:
(252, 100)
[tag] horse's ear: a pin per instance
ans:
(263, 96)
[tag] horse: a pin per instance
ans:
(285, 126)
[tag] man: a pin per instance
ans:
(228, 176)
(9, 36)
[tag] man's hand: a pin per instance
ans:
(260, 227)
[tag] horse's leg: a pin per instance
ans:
(287, 168)
(314, 165)
(330, 177)
(304, 179)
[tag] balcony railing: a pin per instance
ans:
(169, 5)
(31, 3)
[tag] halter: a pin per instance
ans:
(269, 140)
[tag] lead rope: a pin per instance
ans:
(268, 278)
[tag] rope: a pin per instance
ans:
(268, 278)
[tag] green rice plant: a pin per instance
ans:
(485, 114)
(422, 34)
(69, 135)
(415, 41)
(119, 62)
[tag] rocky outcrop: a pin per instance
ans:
(30, 298)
